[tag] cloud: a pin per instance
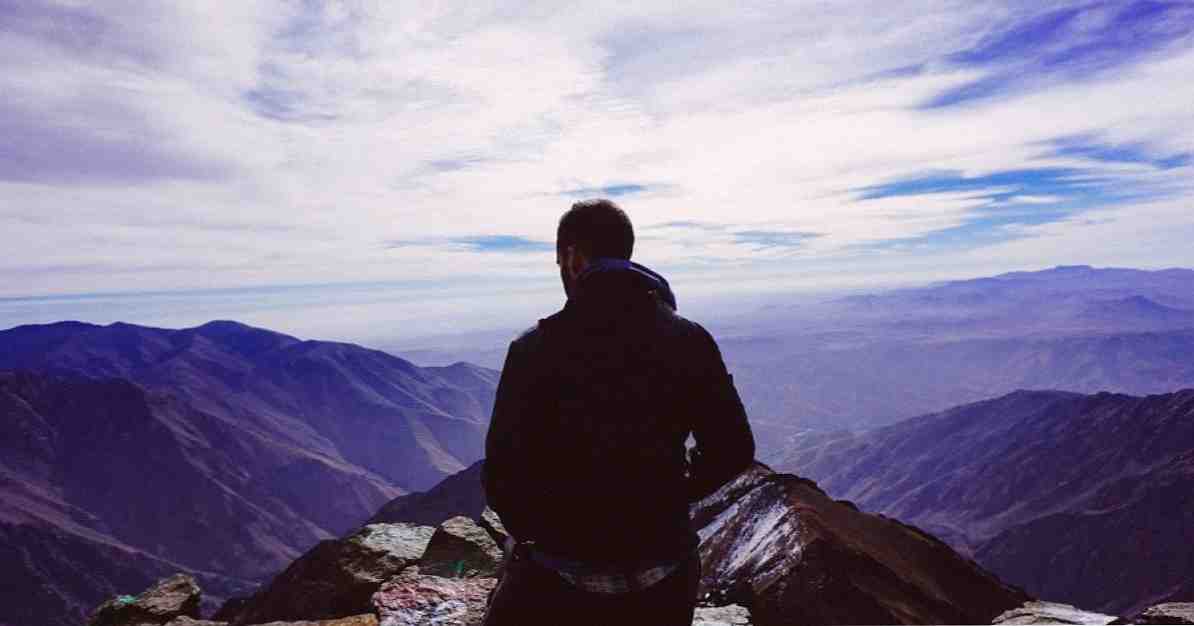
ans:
(762, 239)
(608, 191)
(268, 142)
(1071, 43)
(1089, 147)
(478, 243)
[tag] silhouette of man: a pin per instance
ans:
(585, 458)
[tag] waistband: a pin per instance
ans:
(602, 579)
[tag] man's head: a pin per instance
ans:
(589, 230)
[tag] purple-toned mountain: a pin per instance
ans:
(1084, 499)
(406, 425)
(870, 360)
(222, 450)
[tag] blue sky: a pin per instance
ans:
(190, 147)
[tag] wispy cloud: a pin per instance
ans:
(1071, 43)
(774, 238)
(608, 191)
(269, 141)
(476, 243)
(1090, 147)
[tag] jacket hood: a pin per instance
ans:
(650, 279)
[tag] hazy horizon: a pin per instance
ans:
(403, 316)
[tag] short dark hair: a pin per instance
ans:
(598, 227)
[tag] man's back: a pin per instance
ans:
(586, 452)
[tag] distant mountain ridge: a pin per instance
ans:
(1084, 499)
(222, 448)
(868, 360)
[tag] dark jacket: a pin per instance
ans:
(586, 448)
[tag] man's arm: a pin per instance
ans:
(503, 457)
(725, 445)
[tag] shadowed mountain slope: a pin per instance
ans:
(222, 450)
(1080, 499)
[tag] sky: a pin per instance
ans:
(366, 169)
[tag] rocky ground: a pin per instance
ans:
(775, 551)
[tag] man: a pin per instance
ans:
(585, 458)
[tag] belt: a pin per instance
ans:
(601, 579)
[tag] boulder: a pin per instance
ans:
(368, 619)
(416, 599)
(493, 525)
(1167, 613)
(169, 598)
(780, 545)
(1050, 613)
(729, 615)
(336, 578)
(187, 621)
(461, 548)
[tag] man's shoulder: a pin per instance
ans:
(689, 330)
(532, 337)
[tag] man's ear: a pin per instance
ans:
(575, 261)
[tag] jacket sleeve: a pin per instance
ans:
(503, 457)
(725, 445)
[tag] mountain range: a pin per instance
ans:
(228, 452)
(1084, 499)
(868, 360)
(221, 450)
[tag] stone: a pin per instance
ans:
(1050, 613)
(334, 579)
(416, 599)
(368, 619)
(493, 525)
(729, 615)
(461, 548)
(168, 599)
(1167, 613)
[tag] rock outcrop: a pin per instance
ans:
(772, 543)
(779, 545)
(1051, 613)
(171, 598)
(775, 549)
(728, 615)
(461, 548)
(1166, 613)
(416, 599)
(336, 578)
(404, 573)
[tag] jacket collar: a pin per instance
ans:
(610, 279)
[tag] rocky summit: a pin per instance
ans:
(779, 545)
(772, 544)
(775, 550)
